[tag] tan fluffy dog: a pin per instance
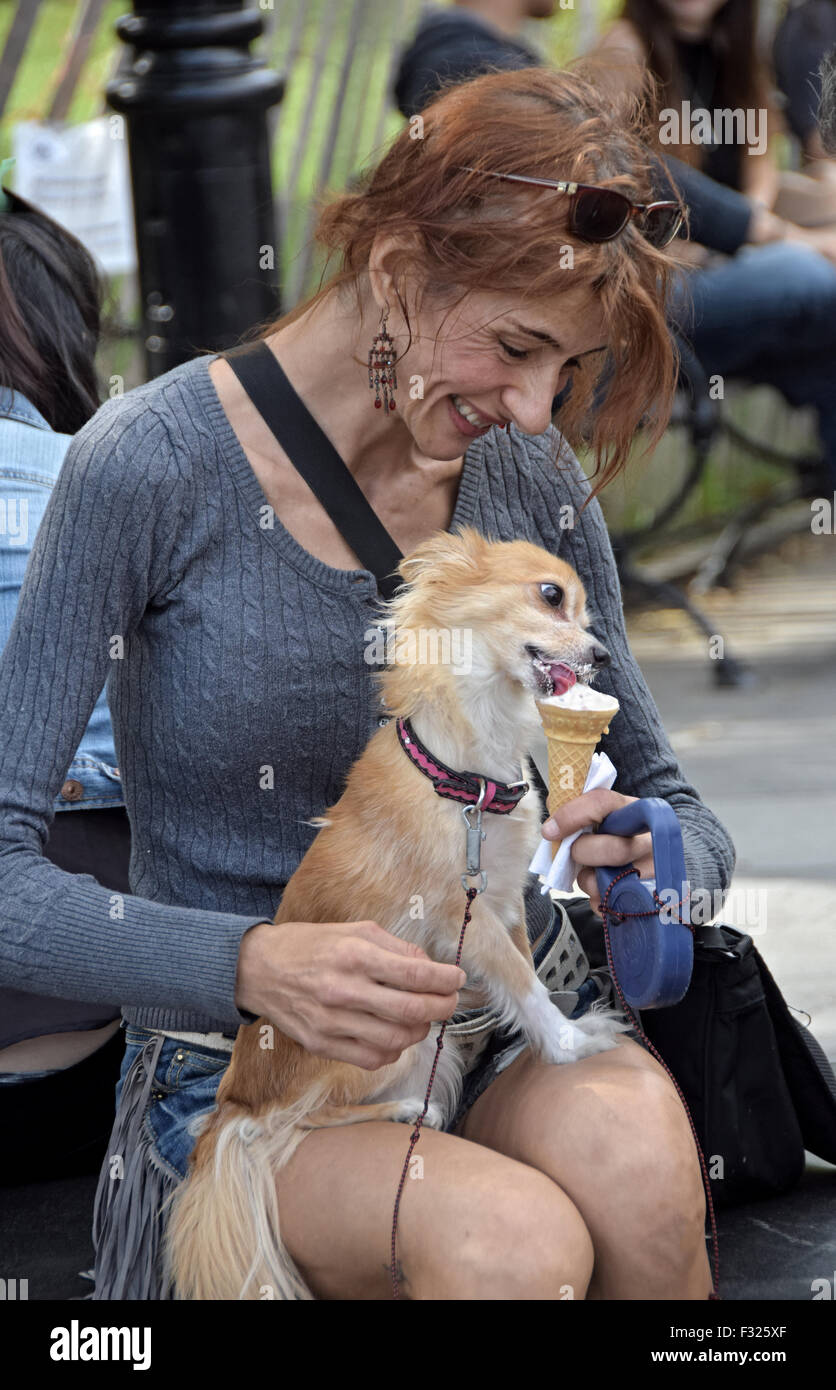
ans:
(519, 614)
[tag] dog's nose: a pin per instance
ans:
(599, 655)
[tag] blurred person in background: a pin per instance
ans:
(768, 314)
(59, 1059)
(457, 42)
(704, 52)
(803, 38)
(766, 310)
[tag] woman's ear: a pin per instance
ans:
(389, 257)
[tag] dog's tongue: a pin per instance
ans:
(563, 677)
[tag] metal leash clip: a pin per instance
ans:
(475, 836)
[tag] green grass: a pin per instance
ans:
(39, 72)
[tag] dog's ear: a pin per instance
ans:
(459, 551)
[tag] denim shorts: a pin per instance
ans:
(168, 1085)
(186, 1079)
(187, 1076)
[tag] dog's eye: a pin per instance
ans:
(553, 595)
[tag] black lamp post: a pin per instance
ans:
(195, 103)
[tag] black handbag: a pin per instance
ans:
(757, 1083)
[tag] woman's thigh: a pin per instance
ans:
(529, 1090)
(472, 1223)
(612, 1132)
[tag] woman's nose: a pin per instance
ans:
(532, 414)
(530, 403)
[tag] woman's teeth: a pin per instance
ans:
(472, 417)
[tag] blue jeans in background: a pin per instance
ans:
(768, 315)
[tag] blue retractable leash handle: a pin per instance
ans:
(653, 953)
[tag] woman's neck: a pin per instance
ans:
(691, 31)
(324, 353)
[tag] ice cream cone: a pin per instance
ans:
(572, 734)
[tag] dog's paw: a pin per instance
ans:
(569, 1041)
(599, 1032)
(409, 1111)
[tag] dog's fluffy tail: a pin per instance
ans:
(223, 1236)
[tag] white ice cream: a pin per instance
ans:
(580, 696)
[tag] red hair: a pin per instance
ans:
(474, 233)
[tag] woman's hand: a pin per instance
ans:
(590, 851)
(349, 991)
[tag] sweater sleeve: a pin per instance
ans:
(637, 742)
(101, 557)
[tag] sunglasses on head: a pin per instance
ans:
(600, 214)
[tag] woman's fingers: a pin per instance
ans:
(612, 850)
(378, 955)
(349, 991)
(386, 1040)
(588, 884)
(582, 811)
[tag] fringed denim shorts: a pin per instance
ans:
(168, 1084)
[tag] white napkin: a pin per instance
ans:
(559, 873)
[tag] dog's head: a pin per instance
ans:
(481, 620)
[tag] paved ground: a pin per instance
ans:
(763, 758)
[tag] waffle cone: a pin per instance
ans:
(572, 736)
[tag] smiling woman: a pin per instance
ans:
(538, 293)
(243, 698)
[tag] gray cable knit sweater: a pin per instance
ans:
(238, 692)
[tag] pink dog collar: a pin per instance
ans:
(500, 797)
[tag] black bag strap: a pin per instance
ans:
(315, 458)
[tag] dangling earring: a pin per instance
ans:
(382, 366)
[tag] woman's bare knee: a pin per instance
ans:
(523, 1239)
(472, 1223)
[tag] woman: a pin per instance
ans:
(768, 314)
(704, 52)
(59, 1057)
(243, 697)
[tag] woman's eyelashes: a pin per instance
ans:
(512, 351)
(518, 353)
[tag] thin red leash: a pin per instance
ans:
(619, 916)
(416, 1133)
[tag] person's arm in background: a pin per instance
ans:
(99, 558)
(637, 742)
(760, 175)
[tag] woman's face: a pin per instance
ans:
(494, 358)
(691, 18)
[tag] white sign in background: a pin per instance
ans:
(80, 176)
